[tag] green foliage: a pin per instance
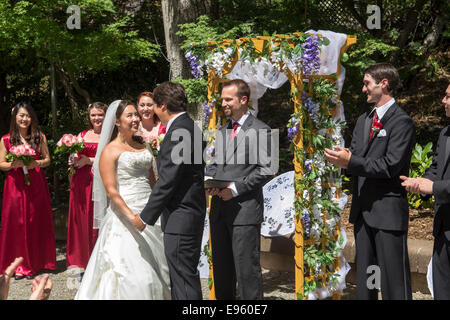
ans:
(106, 40)
(420, 161)
(368, 51)
(196, 89)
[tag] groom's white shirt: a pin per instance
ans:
(167, 130)
(173, 119)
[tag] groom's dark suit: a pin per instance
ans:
(236, 223)
(439, 173)
(179, 195)
(379, 205)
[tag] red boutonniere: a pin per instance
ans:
(376, 127)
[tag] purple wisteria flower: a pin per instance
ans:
(309, 104)
(308, 163)
(293, 129)
(310, 55)
(193, 63)
(207, 111)
(306, 222)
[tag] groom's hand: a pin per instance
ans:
(137, 223)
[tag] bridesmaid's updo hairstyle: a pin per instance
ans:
(33, 137)
(120, 108)
(96, 105)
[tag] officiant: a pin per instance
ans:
(237, 209)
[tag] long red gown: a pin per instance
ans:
(81, 236)
(27, 225)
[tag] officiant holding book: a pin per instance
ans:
(237, 210)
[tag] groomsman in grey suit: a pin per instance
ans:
(237, 210)
(436, 181)
(379, 153)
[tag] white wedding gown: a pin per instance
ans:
(126, 264)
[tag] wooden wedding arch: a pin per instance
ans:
(297, 81)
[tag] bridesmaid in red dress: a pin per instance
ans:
(81, 236)
(150, 127)
(27, 225)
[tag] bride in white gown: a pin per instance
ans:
(125, 263)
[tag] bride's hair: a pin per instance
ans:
(120, 108)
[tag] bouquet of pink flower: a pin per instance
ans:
(22, 152)
(154, 145)
(69, 144)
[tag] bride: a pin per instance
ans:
(125, 263)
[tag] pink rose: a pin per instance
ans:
(74, 140)
(67, 139)
(20, 150)
(29, 151)
(12, 149)
(59, 144)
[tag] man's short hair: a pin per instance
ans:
(172, 94)
(387, 71)
(242, 87)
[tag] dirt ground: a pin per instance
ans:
(420, 222)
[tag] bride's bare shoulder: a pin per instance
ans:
(112, 151)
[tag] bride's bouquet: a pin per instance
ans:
(71, 145)
(26, 154)
(153, 146)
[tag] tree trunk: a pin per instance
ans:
(82, 92)
(176, 12)
(5, 109)
(69, 92)
(436, 30)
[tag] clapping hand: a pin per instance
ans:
(42, 286)
(338, 156)
(417, 185)
(6, 277)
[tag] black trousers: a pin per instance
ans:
(183, 255)
(389, 251)
(236, 258)
(441, 267)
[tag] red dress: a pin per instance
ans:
(81, 236)
(27, 225)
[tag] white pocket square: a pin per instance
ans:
(382, 133)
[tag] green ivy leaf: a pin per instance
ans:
(344, 57)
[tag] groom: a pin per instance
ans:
(179, 194)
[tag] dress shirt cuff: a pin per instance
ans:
(142, 220)
(233, 189)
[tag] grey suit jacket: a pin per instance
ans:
(439, 173)
(243, 161)
(376, 166)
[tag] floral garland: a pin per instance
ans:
(319, 206)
